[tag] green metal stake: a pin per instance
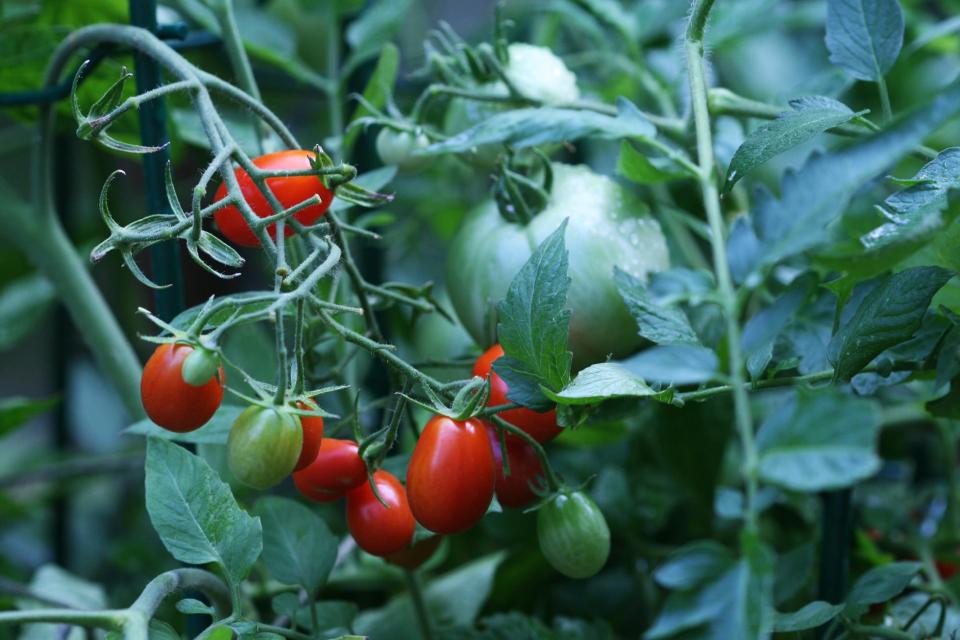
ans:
(164, 257)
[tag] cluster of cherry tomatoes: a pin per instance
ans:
(456, 468)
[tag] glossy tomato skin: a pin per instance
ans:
(514, 490)
(335, 469)
(289, 191)
(168, 400)
(573, 535)
(452, 475)
(380, 530)
(263, 446)
(542, 426)
(608, 227)
(312, 437)
(414, 556)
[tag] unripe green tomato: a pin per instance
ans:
(263, 446)
(535, 71)
(608, 226)
(397, 147)
(199, 367)
(573, 535)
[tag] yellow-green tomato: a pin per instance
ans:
(608, 226)
(573, 535)
(263, 446)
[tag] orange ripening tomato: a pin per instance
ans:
(312, 437)
(288, 191)
(335, 469)
(542, 426)
(451, 477)
(171, 402)
(380, 530)
(514, 490)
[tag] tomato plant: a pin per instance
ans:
(380, 528)
(423, 252)
(169, 400)
(451, 477)
(289, 191)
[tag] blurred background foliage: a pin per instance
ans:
(71, 486)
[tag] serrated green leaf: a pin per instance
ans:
(890, 314)
(762, 330)
(818, 441)
(674, 364)
(658, 323)
(213, 432)
(603, 381)
(534, 324)
(298, 547)
(636, 166)
(530, 127)
(809, 116)
(196, 515)
(864, 37)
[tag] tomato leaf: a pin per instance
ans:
(298, 548)
(16, 411)
(604, 381)
(534, 325)
(819, 441)
(807, 117)
(879, 585)
(530, 127)
(864, 37)
(762, 330)
(693, 564)
(215, 431)
(24, 303)
(816, 194)
(658, 323)
(195, 513)
(674, 364)
(890, 314)
(810, 616)
(636, 166)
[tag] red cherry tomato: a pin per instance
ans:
(168, 400)
(451, 477)
(380, 530)
(289, 191)
(335, 469)
(312, 437)
(542, 426)
(514, 491)
(412, 557)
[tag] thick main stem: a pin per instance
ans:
(711, 200)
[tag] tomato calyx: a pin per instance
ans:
(468, 402)
(518, 193)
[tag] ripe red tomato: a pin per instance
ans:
(412, 557)
(335, 469)
(289, 191)
(312, 437)
(451, 477)
(380, 530)
(168, 400)
(514, 491)
(542, 426)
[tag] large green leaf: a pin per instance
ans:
(298, 548)
(215, 431)
(817, 441)
(534, 323)
(879, 585)
(658, 323)
(810, 616)
(603, 381)
(196, 515)
(808, 117)
(890, 314)
(16, 411)
(530, 127)
(864, 36)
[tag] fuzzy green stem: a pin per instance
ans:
(700, 10)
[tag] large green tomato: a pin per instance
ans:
(263, 446)
(536, 72)
(607, 227)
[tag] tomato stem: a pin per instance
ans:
(419, 604)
